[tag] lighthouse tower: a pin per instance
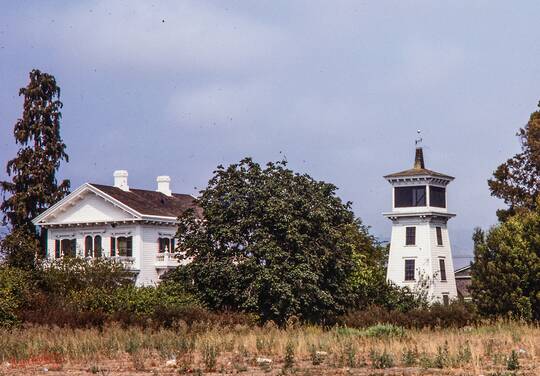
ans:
(420, 255)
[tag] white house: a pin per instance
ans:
(420, 249)
(133, 226)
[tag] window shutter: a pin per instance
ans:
(57, 248)
(113, 246)
(129, 246)
(172, 245)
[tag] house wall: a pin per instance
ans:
(91, 208)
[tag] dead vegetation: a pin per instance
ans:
(491, 349)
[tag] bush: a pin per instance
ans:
(16, 288)
(456, 314)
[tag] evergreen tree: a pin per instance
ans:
(506, 268)
(517, 181)
(33, 186)
(275, 243)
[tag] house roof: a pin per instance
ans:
(151, 202)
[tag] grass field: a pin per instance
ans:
(499, 349)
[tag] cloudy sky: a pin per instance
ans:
(338, 88)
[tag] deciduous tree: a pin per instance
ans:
(517, 181)
(275, 243)
(33, 186)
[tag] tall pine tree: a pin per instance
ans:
(33, 186)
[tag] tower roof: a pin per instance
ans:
(419, 169)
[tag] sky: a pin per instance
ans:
(338, 88)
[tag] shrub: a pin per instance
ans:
(16, 288)
(456, 314)
(381, 360)
(512, 363)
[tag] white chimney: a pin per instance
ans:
(164, 185)
(120, 180)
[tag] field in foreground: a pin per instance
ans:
(500, 349)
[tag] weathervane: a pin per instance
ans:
(418, 140)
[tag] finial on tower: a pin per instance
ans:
(419, 157)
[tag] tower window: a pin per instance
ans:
(439, 235)
(445, 299)
(437, 197)
(409, 196)
(442, 268)
(409, 270)
(410, 236)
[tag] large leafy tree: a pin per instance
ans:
(33, 186)
(506, 268)
(275, 243)
(517, 181)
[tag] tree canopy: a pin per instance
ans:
(506, 268)
(33, 186)
(517, 181)
(273, 242)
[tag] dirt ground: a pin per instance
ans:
(130, 367)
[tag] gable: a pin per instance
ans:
(83, 206)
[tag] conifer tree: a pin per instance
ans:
(33, 186)
(517, 181)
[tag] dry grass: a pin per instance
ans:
(310, 350)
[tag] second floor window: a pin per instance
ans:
(442, 268)
(166, 245)
(92, 246)
(122, 246)
(410, 235)
(65, 247)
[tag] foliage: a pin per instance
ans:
(512, 363)
(506, 269)
(63, 276)
(33, 186)
(456, 314)
(16, 287)
(272, 242)
(517, 181)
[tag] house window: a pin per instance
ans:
(68, 247)
(439, 235)
(446, 299)
(442, 268)
(409, 196)
(166, 245)
(88, 244)
(113, 247)
(410, 235)
(97, 246)
(409, 270)
(124, 246)
(92, 246)
(437, 197)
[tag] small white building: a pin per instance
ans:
(133, 226)
(420, 253)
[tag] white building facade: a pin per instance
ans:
(133, 226)
(420, 254)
